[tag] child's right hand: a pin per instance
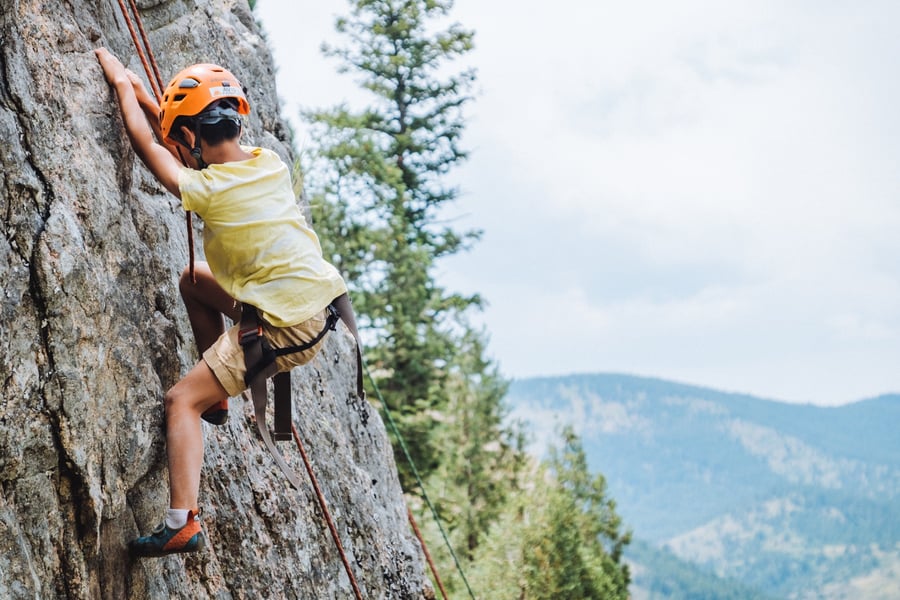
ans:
(140, 91)
(145, 99)
(136, 82)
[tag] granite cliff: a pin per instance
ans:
(93, 332)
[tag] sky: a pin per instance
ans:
(700, 191)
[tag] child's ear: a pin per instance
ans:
(188, 135)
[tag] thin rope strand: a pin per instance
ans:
(140, 24)
(137, 46)
(156, 84)
(415, 471)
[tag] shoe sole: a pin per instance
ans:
(186, 549)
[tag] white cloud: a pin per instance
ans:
(699, 190)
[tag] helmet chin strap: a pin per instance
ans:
(195, 151)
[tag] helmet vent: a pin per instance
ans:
(188, 83)
(179, 97)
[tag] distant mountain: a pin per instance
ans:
(791, 501)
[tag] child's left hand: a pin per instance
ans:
(113, 68)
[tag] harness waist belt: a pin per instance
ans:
(259, 357)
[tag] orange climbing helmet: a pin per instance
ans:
(191, 92)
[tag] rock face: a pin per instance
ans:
(93, 332)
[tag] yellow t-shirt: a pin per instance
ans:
(257, 242)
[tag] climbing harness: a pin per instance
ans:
(259, 358)
(251, 339)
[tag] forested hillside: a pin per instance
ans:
(792, 500)
(729, 496)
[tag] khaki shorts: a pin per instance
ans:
(226, 357)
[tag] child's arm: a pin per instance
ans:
(150, 107)
(147, 102)
(158, 158)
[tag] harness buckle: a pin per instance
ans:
(332, 318)
(250, 335)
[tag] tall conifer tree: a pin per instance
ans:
(378, 186)
(376, 183)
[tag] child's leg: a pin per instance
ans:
(185, 402)
(206, 302)
(197, 393)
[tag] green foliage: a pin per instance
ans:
(559, 538)
(594, 515)
(376, 186)
(481, 457)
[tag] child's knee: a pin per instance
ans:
(174, 402)
(185, 283)
(169, 401)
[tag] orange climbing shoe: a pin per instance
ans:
(218, 414)
(164, 540)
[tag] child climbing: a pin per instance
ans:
(260, 253)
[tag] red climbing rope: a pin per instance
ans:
(326, 513)
(151, 68)
(146, 40)
(155, 83)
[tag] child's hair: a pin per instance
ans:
(217, 123)
(219, 132)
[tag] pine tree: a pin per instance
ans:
(482, 455)
(377, 184)
(598, 525)
(557, 539)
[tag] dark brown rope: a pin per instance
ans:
(437, 578)
(326, 513)
(146, 40)
(155, 84)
